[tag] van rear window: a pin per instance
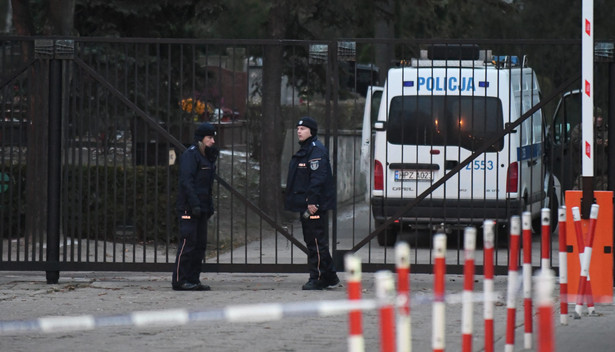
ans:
(465, 121)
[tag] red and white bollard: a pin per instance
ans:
(578, 227)
(404, 329)
(544, 301)
(488, 241)
(563, 267)
(584, 291)
(513, 266)
(439, 308)
(385, 293)
(356, 341)
(526, 227)
(469, 245)
(545, 248)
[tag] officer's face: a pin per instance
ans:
(209, 141)
(303, 133)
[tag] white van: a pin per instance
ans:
(433, 115)
(373, 97)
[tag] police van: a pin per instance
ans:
(433, 115)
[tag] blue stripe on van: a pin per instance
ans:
(529, 151)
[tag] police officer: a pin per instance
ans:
(197, 167)
(310, 190)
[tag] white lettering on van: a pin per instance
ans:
(448, 84)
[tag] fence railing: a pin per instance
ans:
(126, 108)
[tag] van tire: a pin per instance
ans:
(388, 237)
(552, 203)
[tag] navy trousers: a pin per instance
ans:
(190, 250)
(316, 237)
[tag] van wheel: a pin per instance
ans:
(388, 237)
(552, 203)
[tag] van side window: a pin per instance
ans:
(568, 115)
(465, 121)
(375, 107)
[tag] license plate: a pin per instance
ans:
(421, 175)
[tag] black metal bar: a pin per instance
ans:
(151, 122)
(55, 170)
(17, 73)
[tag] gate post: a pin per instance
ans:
(55, 171)
(54, 51)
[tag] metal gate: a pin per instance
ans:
(92, 128)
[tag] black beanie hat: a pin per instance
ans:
(309, 123)
(204, 129)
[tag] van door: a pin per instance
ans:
(370, 115)
(530, 153)
(563, 158)
(428, 135)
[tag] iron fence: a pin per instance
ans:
(92, 127)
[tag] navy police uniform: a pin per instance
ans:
(197, 169)
(310, 181)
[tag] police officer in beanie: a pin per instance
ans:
(310, 190)
(197, 167)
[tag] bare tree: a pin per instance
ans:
(271, 131)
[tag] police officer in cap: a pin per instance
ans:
(310, 190)
(197, 167)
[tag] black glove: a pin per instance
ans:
(196, 212)
(212, 153)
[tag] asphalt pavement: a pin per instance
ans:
(26, 297)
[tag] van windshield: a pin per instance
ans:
(465, 121)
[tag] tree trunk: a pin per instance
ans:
(22, 18)
(272, 129)
(384, 29)
(61, 17)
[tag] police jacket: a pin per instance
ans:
(196, 177)
(310, 180)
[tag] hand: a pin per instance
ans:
(312, 208)
(196, 212)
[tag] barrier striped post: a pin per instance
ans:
(545, 247)
(584, 284)
(544, 301)
(526, 227)
(513, 266)
(439, 308)
(385, 287)
(469, 244)
(593, 221)
(488, 241)
(583, 280)
(356, 342)
(404, 329)
(563, 267)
